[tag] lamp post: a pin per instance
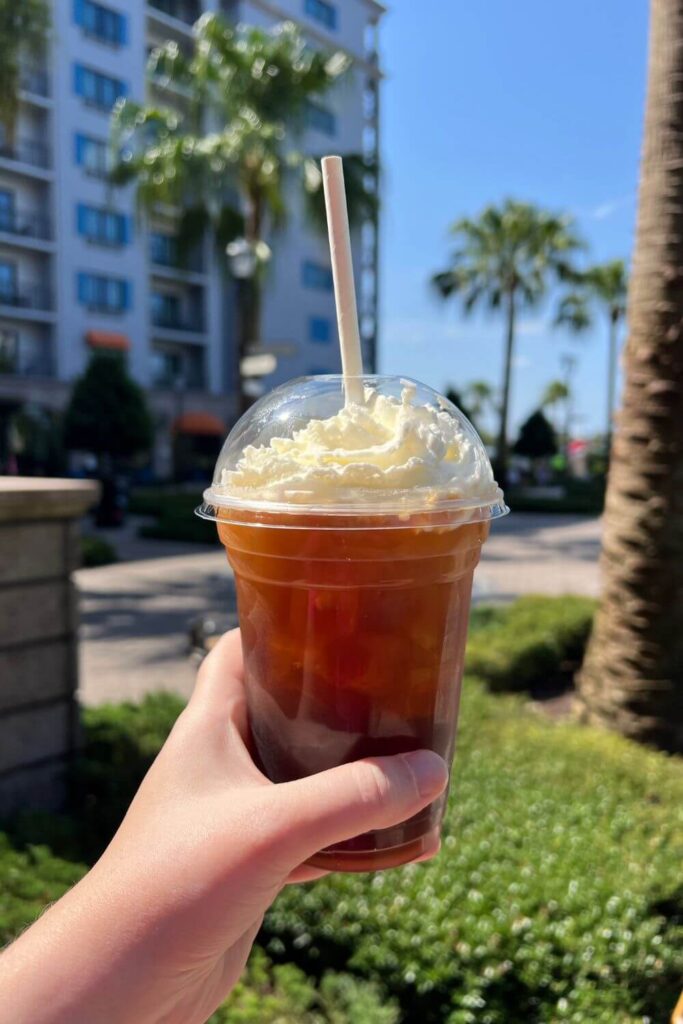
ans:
(243, 260)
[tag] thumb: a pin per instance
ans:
(344, 802)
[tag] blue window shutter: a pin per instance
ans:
(82, 287)
(78, 79)
(127, 230)
(78, 148)
(123, 29)
(127, 290)
(79, 12)
(121, 89)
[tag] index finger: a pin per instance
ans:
(219, 687)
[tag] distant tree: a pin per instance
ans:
(481, 397)
(536, 437)
(24, 26)
(504, 260)
(556, 392)
(456, 397)
(604, 285)
(107, 413)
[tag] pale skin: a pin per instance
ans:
(160, 929)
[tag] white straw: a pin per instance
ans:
(342, 273)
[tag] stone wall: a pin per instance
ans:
(39, 549)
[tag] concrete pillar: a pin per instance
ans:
(39, 549)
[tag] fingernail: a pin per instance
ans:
(429, 770)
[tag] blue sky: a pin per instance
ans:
(536, 100)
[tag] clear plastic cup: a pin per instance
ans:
(353, 614)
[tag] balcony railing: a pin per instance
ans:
(26, 151)
(184, 10)
(26, 296)
(176, 322)
(34, 80)
(25, 224)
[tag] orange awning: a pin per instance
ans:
(107, 339)
(203, 423)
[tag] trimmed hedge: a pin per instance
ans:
(175, 518)
(97, 551)
(557, 896)
(29, 880)
(283, 994)
(529, 643)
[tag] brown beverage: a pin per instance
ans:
(353, 529)
(353, 631)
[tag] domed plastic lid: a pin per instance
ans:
(403, 449)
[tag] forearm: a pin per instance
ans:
(87, 959)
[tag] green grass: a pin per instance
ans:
(557, 896)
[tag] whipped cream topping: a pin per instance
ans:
(383, 451)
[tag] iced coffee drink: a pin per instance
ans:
(353, 530)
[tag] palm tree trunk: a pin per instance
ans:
(611, 379)
(249, 300)
(502, 445)
(632, 679)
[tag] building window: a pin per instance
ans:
(8, 281)
(178, 366)
(320, 329)
(316, 371)
(96, 89)
(322, 11)
(9, 350)
(7, 210)
(320, 118)
(104, 294)
(315, 275)
(165, 309)
(101, 22)
(92, 155)
(102, 226)
(163, 249)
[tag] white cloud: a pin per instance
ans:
(532, 328)
(604, 210)
(521, 362)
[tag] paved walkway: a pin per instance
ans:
(135, 615)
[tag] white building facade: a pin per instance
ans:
(79, 269)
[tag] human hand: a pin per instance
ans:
(161, 928)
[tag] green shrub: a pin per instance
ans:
(29, 880)
(580, 497)
(174, 513)
(530, 642)
(96, 551)
(556, 897)
(283, 994)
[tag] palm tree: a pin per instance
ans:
(23, 32)
(222, 150)
(506, 258)
(480, 397)
(632, 679)
(606, 285)
(556, 392)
